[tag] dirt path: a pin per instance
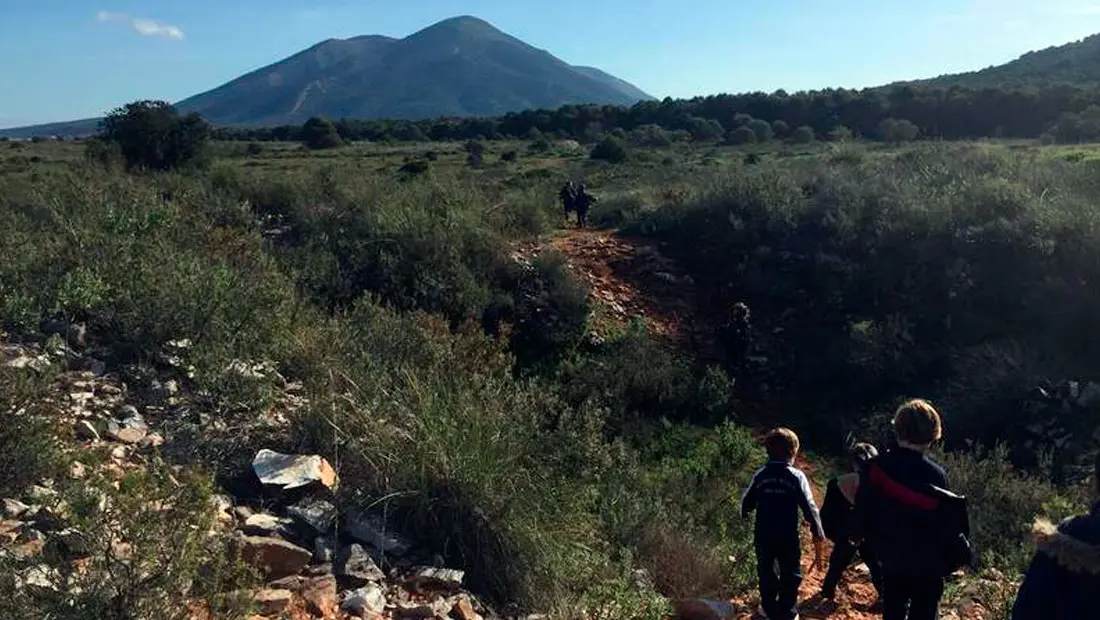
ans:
(628, 279)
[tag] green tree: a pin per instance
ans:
(151, 135)
(840, 133)
(742, 135)
(898, 130)
(781, 129)
(610, 150)
(475, 153)
(651, 135)
(741, 119)
(320, 133)
(761, 129)
(803, 135)
(705, 129)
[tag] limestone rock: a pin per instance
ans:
(293, 471)
(13, 509)
(444, 578)
(365, 600)
(370, 530)
(270, 602)
(355, 565)
(276, 558)
(464, 609)
(263, 525)
(86, 431)
(319, 594)
(318, 515)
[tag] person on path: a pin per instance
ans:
(901, 508)
(837, 512)
(583, 204)
(1063, 581)
(777, 493)
(568, 197)
(737, 336)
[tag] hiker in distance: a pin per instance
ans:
(583, 204)
(1063, 581)
(918, 529)
(568, 195)
(837, 514)
(777, 493)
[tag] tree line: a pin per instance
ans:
(1058, 112)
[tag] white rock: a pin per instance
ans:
(368, 599)
(293, 471)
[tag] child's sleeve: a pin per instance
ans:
(749, 496)
(809, 507)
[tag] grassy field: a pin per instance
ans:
(548, 466)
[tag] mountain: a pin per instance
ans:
(459, 67)
(1075, 63)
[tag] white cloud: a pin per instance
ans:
(143, 26)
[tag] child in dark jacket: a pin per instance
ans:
(777, 493)
(1063, 582)
(837, 512)
(895, 512)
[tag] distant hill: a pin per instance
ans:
(459, 67)
(1075, 63)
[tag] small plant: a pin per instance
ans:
(509, 156)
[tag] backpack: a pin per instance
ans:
(953, 524)
(836, 514)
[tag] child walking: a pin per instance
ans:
(777, 492)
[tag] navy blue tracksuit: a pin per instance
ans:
(777, 493)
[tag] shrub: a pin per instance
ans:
(151, 135)
(780, 129)
(253, 149)
(416, 166)
(803, 135)
(509, 156)
(28, 450)
(610, 150)
(551, 311)
(652, 136)
(898, 130)
(742, 135)
(475, 153)
(762, 130)
(319, 133)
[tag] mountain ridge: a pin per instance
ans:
(459, 67)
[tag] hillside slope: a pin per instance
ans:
(1073, 63)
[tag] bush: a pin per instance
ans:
(475, 153)
(742, 135)
(319, 133)
(151, 135)
(780, 129)
(551, 312)
(762, 130)
(840, 134)
(509, 156)
(652, 136)
(895, 130)
(610, 150)
(253, 149)
(803, 135)
(29, 452)
(416, 166)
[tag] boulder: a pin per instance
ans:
(270, 602)
(319, 515)
(320, 596)
(274, 557)
(355, 565)
(323, 550)
(293, 471)
(129, 428)
(366, 600)
(370, 530)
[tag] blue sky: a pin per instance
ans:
(67, 59)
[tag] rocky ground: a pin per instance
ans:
(316, 561)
